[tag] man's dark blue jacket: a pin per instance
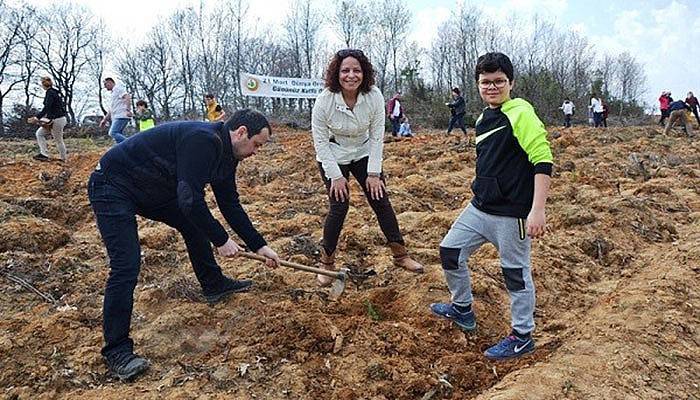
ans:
(171, 164)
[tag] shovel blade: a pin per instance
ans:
(338, 286)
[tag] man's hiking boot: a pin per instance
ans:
(126, 366)
(466, 321)
(510, 346)
(227, 288)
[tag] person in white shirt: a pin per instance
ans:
(597, 107)
(119, 112)
(568, 109)
(347, 123)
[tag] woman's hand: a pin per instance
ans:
(375, 187)
(339, 189)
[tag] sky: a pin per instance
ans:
(663, 35)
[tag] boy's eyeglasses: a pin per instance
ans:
(350, 52)
(498, 83)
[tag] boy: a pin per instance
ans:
(143, 116)
(513, 168)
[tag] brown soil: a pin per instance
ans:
(618, 299)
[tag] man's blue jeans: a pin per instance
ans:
(116, 214)
(116, 131)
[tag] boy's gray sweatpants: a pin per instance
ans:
(474, 228)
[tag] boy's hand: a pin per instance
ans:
(536, 223)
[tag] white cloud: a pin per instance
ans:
(426, 23)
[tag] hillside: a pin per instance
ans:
(616, 277)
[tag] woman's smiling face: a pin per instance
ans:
(350, 74)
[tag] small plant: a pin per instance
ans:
(372, 311)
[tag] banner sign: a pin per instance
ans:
(272, 86)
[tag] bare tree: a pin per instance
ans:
(65, 34)
(11, 36)
(350, 21)
(631, 78)
(395, 23)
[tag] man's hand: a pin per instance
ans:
(339, 189)
(33, 120)
(536, 223)
(103, 123)
(129, 114)
(273, 260)
(229, 249)
(375, 187)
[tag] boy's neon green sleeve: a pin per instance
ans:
(529, 130)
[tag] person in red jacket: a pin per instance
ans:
(664, 101)
(692, 101)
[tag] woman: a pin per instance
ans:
(348, 133)
(54, 110)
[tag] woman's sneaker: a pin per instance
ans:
(466, 321)
(510, 346)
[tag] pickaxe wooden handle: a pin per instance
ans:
(301, 267)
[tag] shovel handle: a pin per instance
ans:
(290, 264)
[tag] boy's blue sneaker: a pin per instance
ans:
(466, 321)
(510, 347)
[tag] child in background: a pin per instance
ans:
(405, 129)
(143, 117)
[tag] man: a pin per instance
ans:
(119, 112)
(457, 109)
(215, 112)
(676, 112)
(394, 110)
(568, 109)
(160, 174)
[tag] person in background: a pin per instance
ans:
(54, 110)
(347, 125)
(664, 101)
(215, 112)
(692, 101)
(394, 109)
(597, 108)
(405, 129)
(568, 109)
(143, 116)
(119, 112)
(458, 108)
(606, 110)
(677, 111)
